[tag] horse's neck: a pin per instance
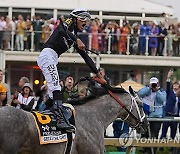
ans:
(109, 110)
(106, 109)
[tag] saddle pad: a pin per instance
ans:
(47, 130)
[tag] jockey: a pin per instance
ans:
(62, 38)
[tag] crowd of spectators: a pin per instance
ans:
(96, 35)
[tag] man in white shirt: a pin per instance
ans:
(2, 25)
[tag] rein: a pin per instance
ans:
(108, 89)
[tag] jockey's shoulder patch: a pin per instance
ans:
(68, 21)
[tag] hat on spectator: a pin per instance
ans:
(27, 85)
(2, 88)
(154, 80)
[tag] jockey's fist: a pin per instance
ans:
(80, 44)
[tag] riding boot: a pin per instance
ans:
(61, 116)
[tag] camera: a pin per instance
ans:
(154, 85)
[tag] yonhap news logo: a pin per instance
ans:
(125, 140)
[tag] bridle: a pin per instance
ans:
(133, 101)
(140, 117)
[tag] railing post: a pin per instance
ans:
(165, 46)
(32, 41)
(98, 61)
(2, 60)
(109, 44)
(128, 43)
(90, 40)
(147, 45)
(12, 40)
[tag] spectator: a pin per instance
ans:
(102, 38)
(27, 37)
(142, 40)
(94, 33)
(69, 91)
(123, 38)
(7, 34)
(6, 86)
(13, 23)
(46, 32)
(162, 34)
(178, 93)
(153, 98)
(22, 81)
(120, 129)
(134, 40)
(170, 40)
(175, 41)
(25, 100)
(3, 95)
(172, 106)
(37, 28)
(93, 86)
(43, 98)
(82, 93)
(103, 73)
(20, 32)
(166, 21)
(2, 25)
(84, 35)
(153, 40)
(177, 32)
(114, 40)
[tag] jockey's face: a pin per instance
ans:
(80, 24)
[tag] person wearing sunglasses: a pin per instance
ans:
(62, 39)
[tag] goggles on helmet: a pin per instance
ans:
(82, 15)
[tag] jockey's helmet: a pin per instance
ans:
(81, 14)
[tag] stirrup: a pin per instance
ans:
(64, 126)
(71, 130)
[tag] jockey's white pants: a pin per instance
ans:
(47, 61)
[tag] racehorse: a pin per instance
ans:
(18, 132)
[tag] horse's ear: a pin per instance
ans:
(131, 90)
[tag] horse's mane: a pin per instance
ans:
(97, 92)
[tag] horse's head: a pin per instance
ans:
(136, 118)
